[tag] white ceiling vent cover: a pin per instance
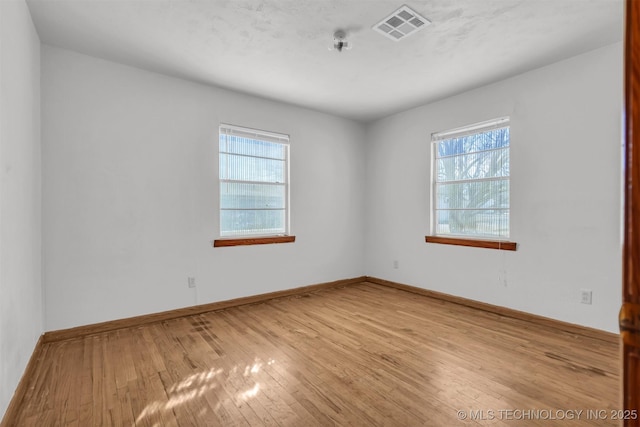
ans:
(401, 24)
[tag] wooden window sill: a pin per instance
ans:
(253, 241)
(476, 243)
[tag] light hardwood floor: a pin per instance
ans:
(360, 355)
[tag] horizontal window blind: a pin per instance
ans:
(471, 181)
(260, 135)
(471, 129)
(254, 187)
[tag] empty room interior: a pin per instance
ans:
(278, 212)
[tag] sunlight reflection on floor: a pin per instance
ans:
(197, 385)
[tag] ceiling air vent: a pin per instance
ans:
(401, 24)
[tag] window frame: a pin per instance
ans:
(259, 238)
(457, 239)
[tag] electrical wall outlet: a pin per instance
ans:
(585, 296)
(396, 264)
(191, 281)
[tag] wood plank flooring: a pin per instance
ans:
(360, 355)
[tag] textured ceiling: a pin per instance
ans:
(279, 48)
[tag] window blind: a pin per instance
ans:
(254, 182)
(471, 180)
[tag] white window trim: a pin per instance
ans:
(262, 135)
(471, 129)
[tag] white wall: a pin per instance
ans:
(130, 193)
(565, 193)
(20, 221)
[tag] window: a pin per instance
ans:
(254, 184)
(470, 177)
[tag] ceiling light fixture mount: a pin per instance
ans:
(340, 42)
